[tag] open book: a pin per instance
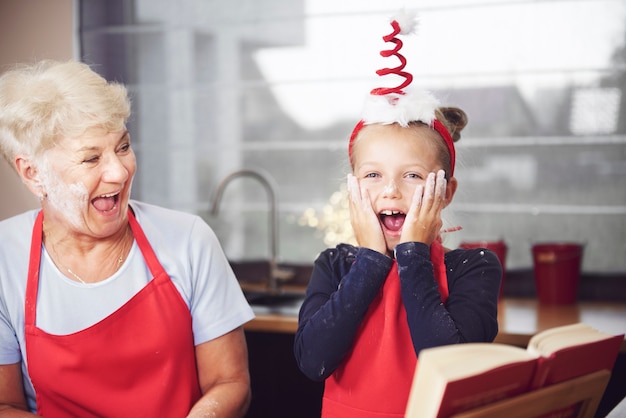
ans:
(456, 378)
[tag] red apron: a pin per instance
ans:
(137, 362)
(375, 379)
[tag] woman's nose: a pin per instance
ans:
(115, 171)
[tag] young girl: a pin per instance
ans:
(370, 309)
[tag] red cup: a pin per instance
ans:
(498, 247)
(557, 272)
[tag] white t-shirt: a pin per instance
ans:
(186, 247)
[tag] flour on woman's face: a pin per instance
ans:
(70, 200)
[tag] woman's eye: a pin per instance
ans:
(125, 147)
(91, 160)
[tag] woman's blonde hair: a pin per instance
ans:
(49, 100)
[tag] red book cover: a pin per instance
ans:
(453, 379)
(487, 387)
(579, 360)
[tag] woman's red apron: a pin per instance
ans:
(137, 362)
(375, 379)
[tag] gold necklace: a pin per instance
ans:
(120, 259)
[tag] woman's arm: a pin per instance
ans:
(470, 312)
(337, 299)
(12, 399)
(224, 377)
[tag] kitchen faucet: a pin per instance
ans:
(270, 186)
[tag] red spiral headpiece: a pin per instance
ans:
(408, 77)
(388, 105)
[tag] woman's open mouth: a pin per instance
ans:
(392, 220)
(107, 202)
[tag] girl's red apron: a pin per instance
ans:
(375, 379)
(137, 362)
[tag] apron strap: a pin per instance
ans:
(32, 281)
(144, 245)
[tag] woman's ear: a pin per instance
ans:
(451, 189)
(30, 175)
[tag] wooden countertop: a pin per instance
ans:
(519, 319)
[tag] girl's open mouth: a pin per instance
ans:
(392, 220)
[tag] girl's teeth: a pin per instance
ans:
(390, 212)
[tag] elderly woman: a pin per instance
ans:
(108, 306)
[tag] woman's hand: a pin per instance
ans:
(423, 221)
(364, 219)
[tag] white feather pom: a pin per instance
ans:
(415, 105)
(407, 22)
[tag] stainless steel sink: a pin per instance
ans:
(283, 303)
(286, 300)
(269, 299)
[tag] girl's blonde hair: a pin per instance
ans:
(454, 119)
(49, 100)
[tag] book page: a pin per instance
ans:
(548, 342)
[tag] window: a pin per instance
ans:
(278, 85)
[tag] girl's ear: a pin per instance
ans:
(30, 175)
(451, 190)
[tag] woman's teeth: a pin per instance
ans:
(106, 202)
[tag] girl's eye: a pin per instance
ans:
(414, 176)
(371, 175)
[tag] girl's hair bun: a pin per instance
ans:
(454, 119)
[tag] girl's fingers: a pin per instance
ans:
(363, 218)
(353, 189)
(423, 222)
(365, 199)
(417, 198)
(429, 191)
(440, 187)
(359, 196)
(435, 191)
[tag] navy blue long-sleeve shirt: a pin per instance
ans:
(346, 279)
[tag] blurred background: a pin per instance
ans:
(277, 85)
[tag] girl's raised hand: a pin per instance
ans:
(363, 218)
(423, 221)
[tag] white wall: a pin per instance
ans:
(30, 30)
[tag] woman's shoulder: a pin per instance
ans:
(21, 220)
(170, 226)
(18, 227)
(163, 218)
(151, 211)
(16, 233)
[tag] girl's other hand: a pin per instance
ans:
(364, 219)
(423, 221)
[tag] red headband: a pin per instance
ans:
(436, 124)
(399, 106)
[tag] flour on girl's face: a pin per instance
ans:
(70, 200)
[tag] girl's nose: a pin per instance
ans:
(391, 189)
